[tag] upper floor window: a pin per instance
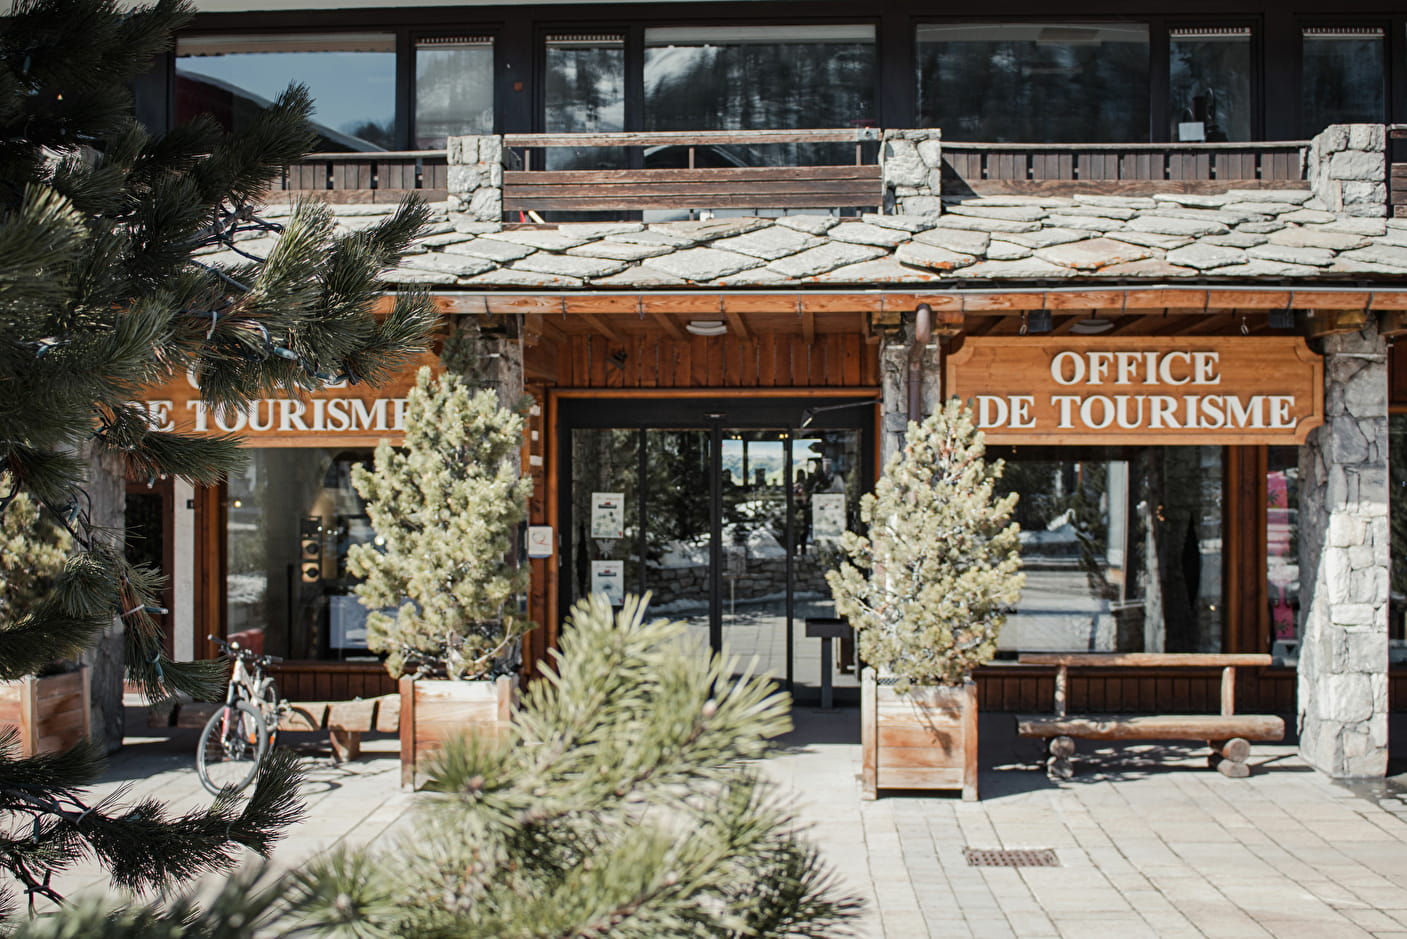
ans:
(1342, 73)
(1209, 83)
(585, 94)
(352, 78)
(1034, 82)
(453, 89)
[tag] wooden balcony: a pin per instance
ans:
(384, 176)
(1397, 170)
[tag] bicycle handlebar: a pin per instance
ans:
(234, 649)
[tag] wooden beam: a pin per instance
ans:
(670, 325)
(600, 325)
(738, 325)
(808, 326)
(546, 327)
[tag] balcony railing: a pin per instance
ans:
(384, 176)
(1397, 170)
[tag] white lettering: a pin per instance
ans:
(1204, 368)
(202, 424)
(371, 417)
(1214, 412)
(1165, 368)
(291, 415)
(991, 411)
(1280, 411)
(1129, 421)
(337, 418)
(1127, 363)
(159, 415)
(1066, 404)
(223, 418)
(1087, 412)
(1077, 368)
(1021, 417)
(1099, 366)
(398, 409)
(1163, 412)
(1248, 414)
(254, 423)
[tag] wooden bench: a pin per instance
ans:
(344, 721)
(1228, 734)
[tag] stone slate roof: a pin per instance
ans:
(1274, 235)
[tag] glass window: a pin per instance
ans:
(1342, 77)
(1282, 562)
(1034, 82)
(1210, 84)
(292, 514)
(453, 89)
(585, 93)
(759, 78)
(352, 78)
(1122, 549)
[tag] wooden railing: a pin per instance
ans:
(851, 185)
(1397, 171)
(1116, 169)
(383, 176)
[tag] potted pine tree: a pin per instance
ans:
(927, 589)
(441, 580)
(50, 710)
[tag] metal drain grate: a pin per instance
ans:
(1039, 857)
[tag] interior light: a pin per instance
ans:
(1092, 325)
(706, 327)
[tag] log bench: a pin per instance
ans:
(344, 721)
(1228, 734)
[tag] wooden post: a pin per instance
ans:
(29, 716)
(407, 689)
(869, 736)
(969, 741)
(1062, 675)
(1228, 691)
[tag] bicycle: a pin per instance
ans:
(237, 737)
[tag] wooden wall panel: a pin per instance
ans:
(332, 681)
(764, 360)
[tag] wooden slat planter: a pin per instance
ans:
(432, 711)
(51, 713)
(925, 738)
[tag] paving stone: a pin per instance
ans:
(1196, 200)
(1317, 237)
(770, 243)
(1204, 256)
(704, 264)
(811, 224)
(1006, 251)
(568, 266)
(1093, 254)
(1317, 257)
(1122, 213)
(507, 277)
(882, 271)
(619, 251)
(1011, 213)
(1262, 228)
(973, 223)
(1026, 269)
(1387, 255)
(1235, 239)
(1260, 208)
(932, 257)
(861, 233)
(1046, 237)
(955, 239)
(544, 239)
(1292, 196)
(490, 249)
(1085, 223)
(908, 223)
(824, 258)
(1303, 216)
(1223, 216)
(1372, 227)
(1172, 225)
(1125, 202)
(460, 265)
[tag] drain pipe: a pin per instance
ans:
(923, 335)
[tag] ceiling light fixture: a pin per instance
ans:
(1092, 325)
(706, 327)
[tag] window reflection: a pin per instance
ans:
(1342, 76)
(585, 94)
(1122, 549)
(1034, 82)
(453, 90)
(292, 515)
(352, 78)
(1282, 565)
(759, 78)
(1210, 84)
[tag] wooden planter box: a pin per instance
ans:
(51, 713)
(433, 710)
(923, 739)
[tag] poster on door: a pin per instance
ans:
(608, 577)
(608, 515)
(827, 515)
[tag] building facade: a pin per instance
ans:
(730, 249)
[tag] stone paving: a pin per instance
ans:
(1149, 842)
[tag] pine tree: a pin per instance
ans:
(33, 549)
(928, 587)
(102, 293)
(446, 507)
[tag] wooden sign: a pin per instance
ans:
(338, 415)
(1184, 390)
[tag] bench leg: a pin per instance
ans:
(1229, 757)
(346, 744)
(1058, 766)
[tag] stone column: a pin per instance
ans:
(895, 357)
(476, 179)
(911, 162)
(1347, 169)
(1344, 564)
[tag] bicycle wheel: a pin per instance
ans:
(231, 747)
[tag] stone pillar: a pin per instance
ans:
(894, 361)
(476, 179)
(911, 163)
(1347, 169)
(1344, 564)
